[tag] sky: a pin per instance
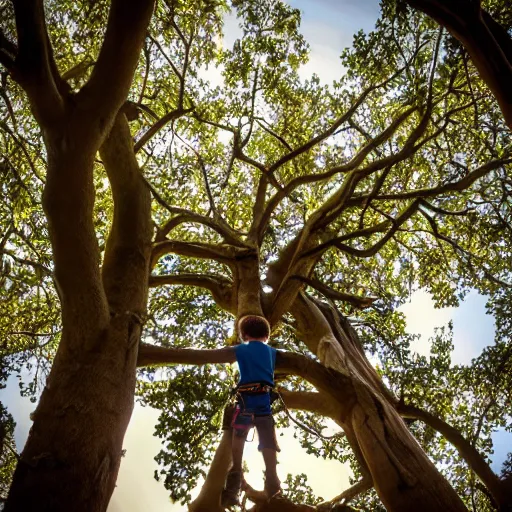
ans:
(328, 26)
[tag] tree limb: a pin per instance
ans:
(111, 78)
(8, 52)
(128, 245)
(220, 287)
(351, 165)
(354, 300)
(229, 235)
(334, 126)
(192, 249)
(156, 127)
(311, 401)
(456, 186)
(374, 249)
(335, 384)
(35, 68)
(472, 457)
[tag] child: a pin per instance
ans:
(256, 361)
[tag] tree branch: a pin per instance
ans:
(156, 127)
(128, 247)
(365, 484)
(334, 384)
(334, 126)
(461, 250)
(347, 167)
(111, 78)
(35, 68)
(263, 124)
(8, 52)
(166, 57)
(472, 457)
(354, 300)
(193, 250)
(311, 401)
(220, 287)
(374, 249)
(258, 209)
(456, 186)
(229, 235)
(488, 44)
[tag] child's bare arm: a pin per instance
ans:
(151, 355)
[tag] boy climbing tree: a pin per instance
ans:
(256, 362)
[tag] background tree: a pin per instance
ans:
(307, 204)
(483, 28)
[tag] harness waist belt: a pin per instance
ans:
(254, 387)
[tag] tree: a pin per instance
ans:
(72, 456)
(314, 206)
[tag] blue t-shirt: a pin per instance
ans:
(256, 362)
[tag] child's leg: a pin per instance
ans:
(237, 448)
(269, 448)
(234, 477)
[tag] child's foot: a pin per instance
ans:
(230, 494)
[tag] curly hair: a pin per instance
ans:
(253, 326)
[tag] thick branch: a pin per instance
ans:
(334, 384)
(8, 52)
(311, 401)
(208, 499)
(473, 458)
(128, 246)
(110, 81)
(35, 68)
(229, 235)
(258, 208)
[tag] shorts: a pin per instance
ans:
(242, 423)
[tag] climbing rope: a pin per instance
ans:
(299, 423)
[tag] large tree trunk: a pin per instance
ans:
(72, 455)
(404, 478)
(73, 452)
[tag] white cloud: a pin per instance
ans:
(473, 329)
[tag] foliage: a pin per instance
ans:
(412, 190)
(296, 489)
(8, 453)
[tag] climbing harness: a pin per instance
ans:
(243, 420)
